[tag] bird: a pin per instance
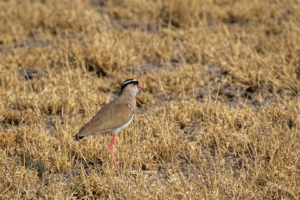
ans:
(113, 117)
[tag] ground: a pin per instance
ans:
(219, 118)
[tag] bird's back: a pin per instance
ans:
(109, 118)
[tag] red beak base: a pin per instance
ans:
(141, 88)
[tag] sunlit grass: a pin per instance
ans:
(219, 118)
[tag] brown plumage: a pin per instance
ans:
(112, 116)
(115, 116)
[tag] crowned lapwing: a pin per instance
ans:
(115, 116)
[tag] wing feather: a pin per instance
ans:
(107, 119)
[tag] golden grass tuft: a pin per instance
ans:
(219, 118)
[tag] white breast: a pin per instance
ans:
(125, 125)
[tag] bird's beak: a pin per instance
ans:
(141, 88)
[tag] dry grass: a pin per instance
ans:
(220, 118)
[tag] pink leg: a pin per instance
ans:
(112, 151)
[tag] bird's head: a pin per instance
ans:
(131, 85)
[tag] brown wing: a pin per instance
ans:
(108, 118)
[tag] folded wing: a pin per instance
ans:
(108, 119)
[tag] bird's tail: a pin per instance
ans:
(78, 138)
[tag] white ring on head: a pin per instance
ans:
(127, 82)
